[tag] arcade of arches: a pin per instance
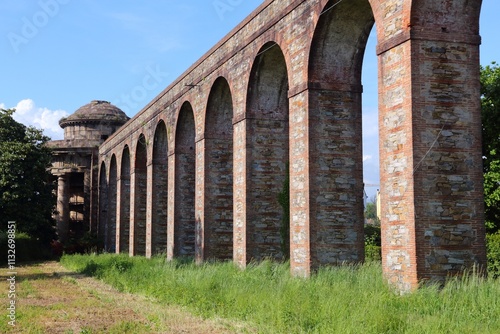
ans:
(198, 170)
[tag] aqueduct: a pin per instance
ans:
(197, 171)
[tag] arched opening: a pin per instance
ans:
(185, 158)
(112, 196)
(218, 185)
(267, 153)
(103, 230)
(139, 180)
(159, 191)
(335, 131)
(124, 231)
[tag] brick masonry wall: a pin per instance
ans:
(157, 225)
(123, 201)
(428, 77)
(103, 227)
(138, 200)
(433, 224)
(112, 198)
(185, 159)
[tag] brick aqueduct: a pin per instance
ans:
(197, 172)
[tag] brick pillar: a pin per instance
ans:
(430, 154)
(184, 230)
(171, 207)
(200, 209)
(123, 205)
(119, 209)
(149, 210)
(62, 216)
(300, 255)
(138, 183)
(132, 250)
(214, 199)
(103, 229)
(336, 172)
(112, 210)
(240, 192)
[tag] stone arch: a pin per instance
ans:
(103, 229)
(335, 130)
(159, 212)
(124, 201)
(267, 153)
(215, 212)
(138, 181)
(112, 205)
(185, 160)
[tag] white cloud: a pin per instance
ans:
(366, 157)
(40, 117)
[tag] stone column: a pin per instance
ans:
(62, 216)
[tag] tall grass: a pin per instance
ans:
(335, 300)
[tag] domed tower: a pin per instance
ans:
(74, 164)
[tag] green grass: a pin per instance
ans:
(335, 300)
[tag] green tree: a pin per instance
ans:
(26, 188)
(371, 210)
(490, 113)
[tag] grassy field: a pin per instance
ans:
(52, 299)
(336, 300)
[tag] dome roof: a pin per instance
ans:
(96, 112)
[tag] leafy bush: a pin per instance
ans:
(372, 243)
(493, 254)
(27, 248)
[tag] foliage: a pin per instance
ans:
(26, 190)
(490, 111)
(371, 210)
(347, 299)
(493, 253)
(373, 242)
(27, 248)
(284, 201)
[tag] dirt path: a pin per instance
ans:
(51, 299)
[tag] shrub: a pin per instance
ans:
(493, 254)
(27, 248)
(372, 243)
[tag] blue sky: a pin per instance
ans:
(57, 55)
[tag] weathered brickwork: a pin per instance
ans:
(104, 228)
(184, 229)
(138, 182)
(112, 198)
(123, 201)
(215, 170)
(158, 209)
(285, 87)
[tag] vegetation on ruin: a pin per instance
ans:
(349, 299)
